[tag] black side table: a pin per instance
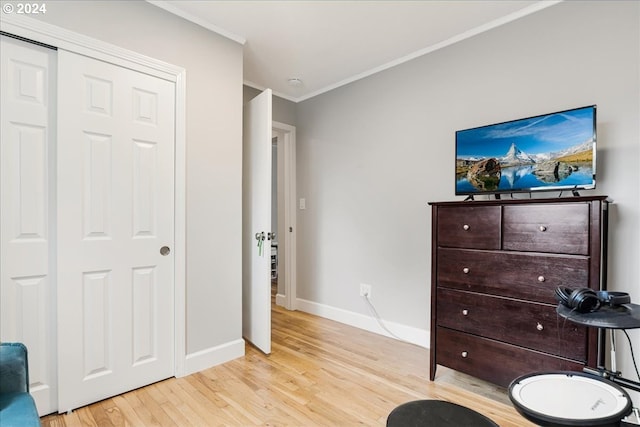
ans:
(625, 316)
(436, 413)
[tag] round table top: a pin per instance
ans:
(625, 316)
(436, 413)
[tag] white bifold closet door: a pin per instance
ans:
(115, 231)
(27, 208)
(86, 223)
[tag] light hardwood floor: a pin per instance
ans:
(320, 373)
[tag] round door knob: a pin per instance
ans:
(165, 250)
(541, 279)
(465, 227)
(543, 228)
(464, 354)
(465, 312)
(539, 326)
(465, 270)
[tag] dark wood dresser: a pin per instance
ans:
(495, 267)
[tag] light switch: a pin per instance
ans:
(303, 203)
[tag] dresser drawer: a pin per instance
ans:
(469, 227)
(537, 228)
(526, 324)
(492, 360)
(516, 275)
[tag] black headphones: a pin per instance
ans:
(585, 300)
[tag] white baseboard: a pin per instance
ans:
(406, 333)
(213, 356)
(281, 300)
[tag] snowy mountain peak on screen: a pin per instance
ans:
(516, 156)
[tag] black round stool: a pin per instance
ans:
(436, 413)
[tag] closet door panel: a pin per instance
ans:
(115, 218)
(27, 173)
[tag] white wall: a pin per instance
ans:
(213, 146)
(373, 153)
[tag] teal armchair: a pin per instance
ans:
(17, 407)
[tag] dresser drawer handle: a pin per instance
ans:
(465, 270)
(465, 312)
(541, 279)
(539, 326)
(465, 227)
(543, 228)
(464, 354)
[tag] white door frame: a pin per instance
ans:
(42, 32)
(289, 233)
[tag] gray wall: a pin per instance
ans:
(213, 146)
(373, 153)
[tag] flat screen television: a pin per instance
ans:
(555, 151)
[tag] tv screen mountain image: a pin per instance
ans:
(548, 152)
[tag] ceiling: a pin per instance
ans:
(326, 44)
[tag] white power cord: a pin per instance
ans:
(375, 315)
(613, 350)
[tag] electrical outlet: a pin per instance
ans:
(365, 290)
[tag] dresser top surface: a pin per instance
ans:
(496, 202)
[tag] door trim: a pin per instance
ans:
(52, 35)
(290, 262)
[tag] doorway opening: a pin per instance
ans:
(283, 196)
(274, 216)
